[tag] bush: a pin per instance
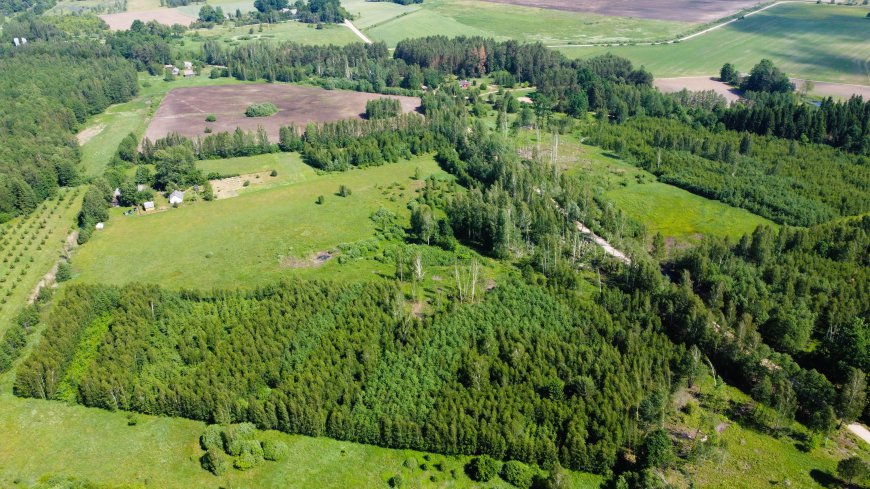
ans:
(410, 462)
(233, 436)
(215, 462)
(246, 461)
(211, 438)
(482, 469)
(395, 481)
(210, 118)
(344, 191)
(261, 110)
(274, 173)
(517, 473)
(320, 200)
(275, 450)
(246, 183)
(64, 272)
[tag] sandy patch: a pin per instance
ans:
(697, 84)
(836, 90)
(87, 134)
(225, 188)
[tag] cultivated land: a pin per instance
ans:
(478, 18)
(285, 31)
(263, 234)
(697, 84)
(184, 110)
(30, 246)
(683, 10)
(168, 16)
(816, 42)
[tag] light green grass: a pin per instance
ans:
(501, 21)
(663, 208)
(15, 288)
(818, 42)
(43, 438)
(297, 32)
(252, 238)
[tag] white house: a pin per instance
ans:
(176, 197)
(148, 206)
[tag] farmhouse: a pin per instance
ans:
(176, 197)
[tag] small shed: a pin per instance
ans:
(148, 206)
(99, 225)
(176, 197)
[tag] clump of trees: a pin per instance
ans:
(383, 108)
(261, 110)
(236, 446)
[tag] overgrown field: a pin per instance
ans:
(817, 42)
(257, 237)
(479, 18)
(30, 246)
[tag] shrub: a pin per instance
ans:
(233, 436)
(482, 469)
(246, 183)
(246, 461)
(852, 469)
(275, 450)
(320, 200)
(517, 473)
(215, 462)
(210, 118)
(212, 438)
(261, 110)
(410, 462)
(64, 272)
(274, 173)
(344, 191)
(395, 481)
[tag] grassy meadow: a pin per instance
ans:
(817, 42)
(501, 21)
(30, 246)
(260, 235)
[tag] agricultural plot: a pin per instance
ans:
(501, 21)
(263, 234)
(30, 246)
(184, 110)
(285, 31)
(682, 10)
(168, 16)
(816, 42)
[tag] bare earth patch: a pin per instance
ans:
(225, 188)
(315, 260)
(695, 11)
(836, 90)
(184, 110)
(89, 133)
(166, 16)
(697, 84)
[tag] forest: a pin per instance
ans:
(347, 361)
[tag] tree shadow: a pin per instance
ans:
(824, 479)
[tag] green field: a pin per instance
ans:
(261, 235)
(30, 246)
(285, 31)
(818, 42)
(476, 18)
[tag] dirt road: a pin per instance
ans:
(860, 431)
(356, 31)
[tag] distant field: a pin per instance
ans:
(284, 31)
(168, 16)
(479, 18)
(817, 42)
(184, 110)
(263, 234)
(682, 10)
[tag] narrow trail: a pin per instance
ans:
(356, 31)
(608, 248)
(684, 38)
(860, 431)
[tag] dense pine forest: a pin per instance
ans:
(525, 374)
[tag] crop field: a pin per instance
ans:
(816, 42)
(682, 10)
(500, 21)
(184, 110)
(265, 233)
(168, 16)
(30, 246)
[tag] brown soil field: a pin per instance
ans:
(167, 16)
(184, 110)
(697, 84)
(695, 11)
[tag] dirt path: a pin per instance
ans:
(607, 247)
(356, 31)
(49, 279)
(860, 431)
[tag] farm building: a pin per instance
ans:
(176, 197)
(148, 206)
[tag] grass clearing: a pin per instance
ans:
(282, 32)
(817, 42)
(529, 24)
(30, 246)
(249, 239)
(44, 438)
